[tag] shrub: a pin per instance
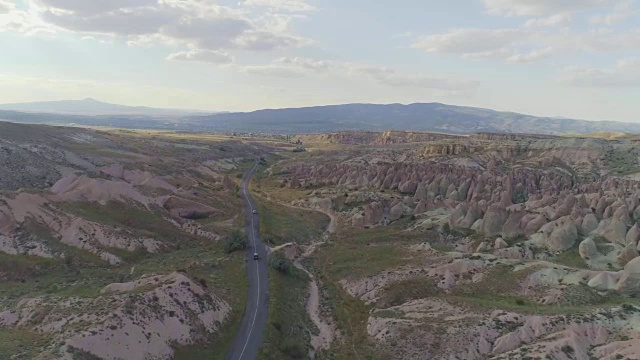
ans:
(235, 242)
(293, 348)
(280, 263)
(567, 349)
(521, 198)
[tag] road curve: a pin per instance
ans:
(248, 340)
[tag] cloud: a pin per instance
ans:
(202, 24)
(620, 12)
(531, 57)
(272, 70)
(139, 21)
(6, 6)
(289, 67)
(550, 21)
(540, 7)
(626, 73)
(205, 56)
(527, 45)
(286, 5)
(95, 7)
(26, 22)
(593, 42)
(265, 41)
(471, 42)
(209, 33)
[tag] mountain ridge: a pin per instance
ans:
(431, 117)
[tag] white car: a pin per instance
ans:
(255, 211)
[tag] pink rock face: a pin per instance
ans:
(373, 214)
(396, 212)
(494, 220)
(613, 229)
(629, 283)
(563, 236)
(627, 254)
(589, 224)
(633, 236)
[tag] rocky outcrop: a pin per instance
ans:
(172, 308)
(629, 283)
(627, 254)
(494, 220)
(563, 236)
(588, 249)
(613, 229)
(373, 214)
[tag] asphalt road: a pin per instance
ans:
(249, 337)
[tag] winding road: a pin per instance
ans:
(248, 340)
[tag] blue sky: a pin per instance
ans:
(571, 58)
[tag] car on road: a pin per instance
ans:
(255, 256)
(255, 211)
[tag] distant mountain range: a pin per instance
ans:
(94, 107)
(414, 117)
(357, 117)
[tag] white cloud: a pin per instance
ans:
(550, 21)
(287, 5)
(593, 42)
(531, 57)
(6, 6)
(272, 70)
(300, 67)
(620, 12)
(206, 56)
(209, 33)
(527, 45)
(200, 24)
(471, 43)
(265, 41)
(26, 22)
(540, 7)
(626, 73)
(138, 21)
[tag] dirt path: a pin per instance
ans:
(327, 328)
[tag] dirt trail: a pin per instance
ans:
(327, 328)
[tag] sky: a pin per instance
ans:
(569, 58)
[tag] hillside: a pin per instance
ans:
(113, 244)
(413, 117)
(432, 117)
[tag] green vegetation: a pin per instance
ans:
(280, 224)
(140, 222)
(362, 253)
(281, 264)
(236, 241)
(622, 162)
(288, 331)
(21, 344)
(401, 292)
(357, 254)
(572, 259)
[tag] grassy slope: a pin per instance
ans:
(287, 335)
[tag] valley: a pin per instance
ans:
(382, 245)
